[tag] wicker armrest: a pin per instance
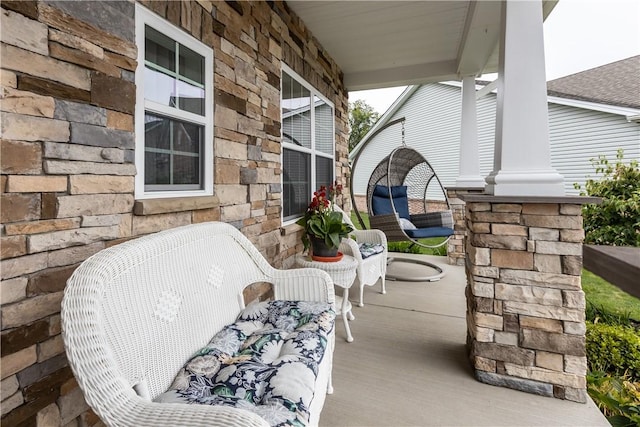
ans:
(350, 247)
(384, 222)
(390, 226)
(433, 219)
(303, 284)
(374, 236)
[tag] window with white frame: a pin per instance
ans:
(308, 143)
(174, 110)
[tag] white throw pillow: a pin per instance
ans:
(406, 224)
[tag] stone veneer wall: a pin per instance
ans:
(456, 246)
(68, 98)
(525, 305)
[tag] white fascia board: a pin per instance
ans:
(587, 105)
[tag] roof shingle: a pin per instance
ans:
(617, 83)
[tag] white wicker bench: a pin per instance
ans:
(133, 314)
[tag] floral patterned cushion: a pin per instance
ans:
(266, 362)
(369, 249)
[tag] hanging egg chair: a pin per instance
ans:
(400, 202)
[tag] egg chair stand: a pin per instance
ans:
(439, 274)
(398, 203)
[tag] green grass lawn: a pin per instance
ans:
(611, 299)
(365, 219)
(406, 247)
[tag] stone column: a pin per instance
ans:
(525, 304)
(456, 246)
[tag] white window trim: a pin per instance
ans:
(313, 92)
(146, 17)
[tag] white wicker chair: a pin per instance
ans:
(372, 268)
(133, 314)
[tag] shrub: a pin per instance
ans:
(404, 247)
(612, 344)
(613, 349)
(616, 221)
(617, 398)
(440, 250)
(412, 248)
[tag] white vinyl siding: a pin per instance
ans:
(579, 135)
(486, 112)
(433, 128)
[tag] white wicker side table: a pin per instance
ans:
(343, 273)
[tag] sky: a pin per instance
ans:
(579, 35)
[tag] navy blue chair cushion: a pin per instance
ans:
(421, 233)
(381, 202)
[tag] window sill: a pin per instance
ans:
(176, 204)
(290, 228)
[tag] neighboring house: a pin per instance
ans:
(591, 113)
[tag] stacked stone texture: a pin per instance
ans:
(525, 316)
(456, 245)
(67, 117)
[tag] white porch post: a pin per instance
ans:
(522, 161)
(469, 172)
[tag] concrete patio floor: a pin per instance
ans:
(407, 365)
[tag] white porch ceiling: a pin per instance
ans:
(391, 43)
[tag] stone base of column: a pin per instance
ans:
(455, 247)
(525, 304)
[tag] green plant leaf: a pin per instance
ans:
(613, 222)
(621, 421)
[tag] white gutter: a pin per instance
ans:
(588, 105)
